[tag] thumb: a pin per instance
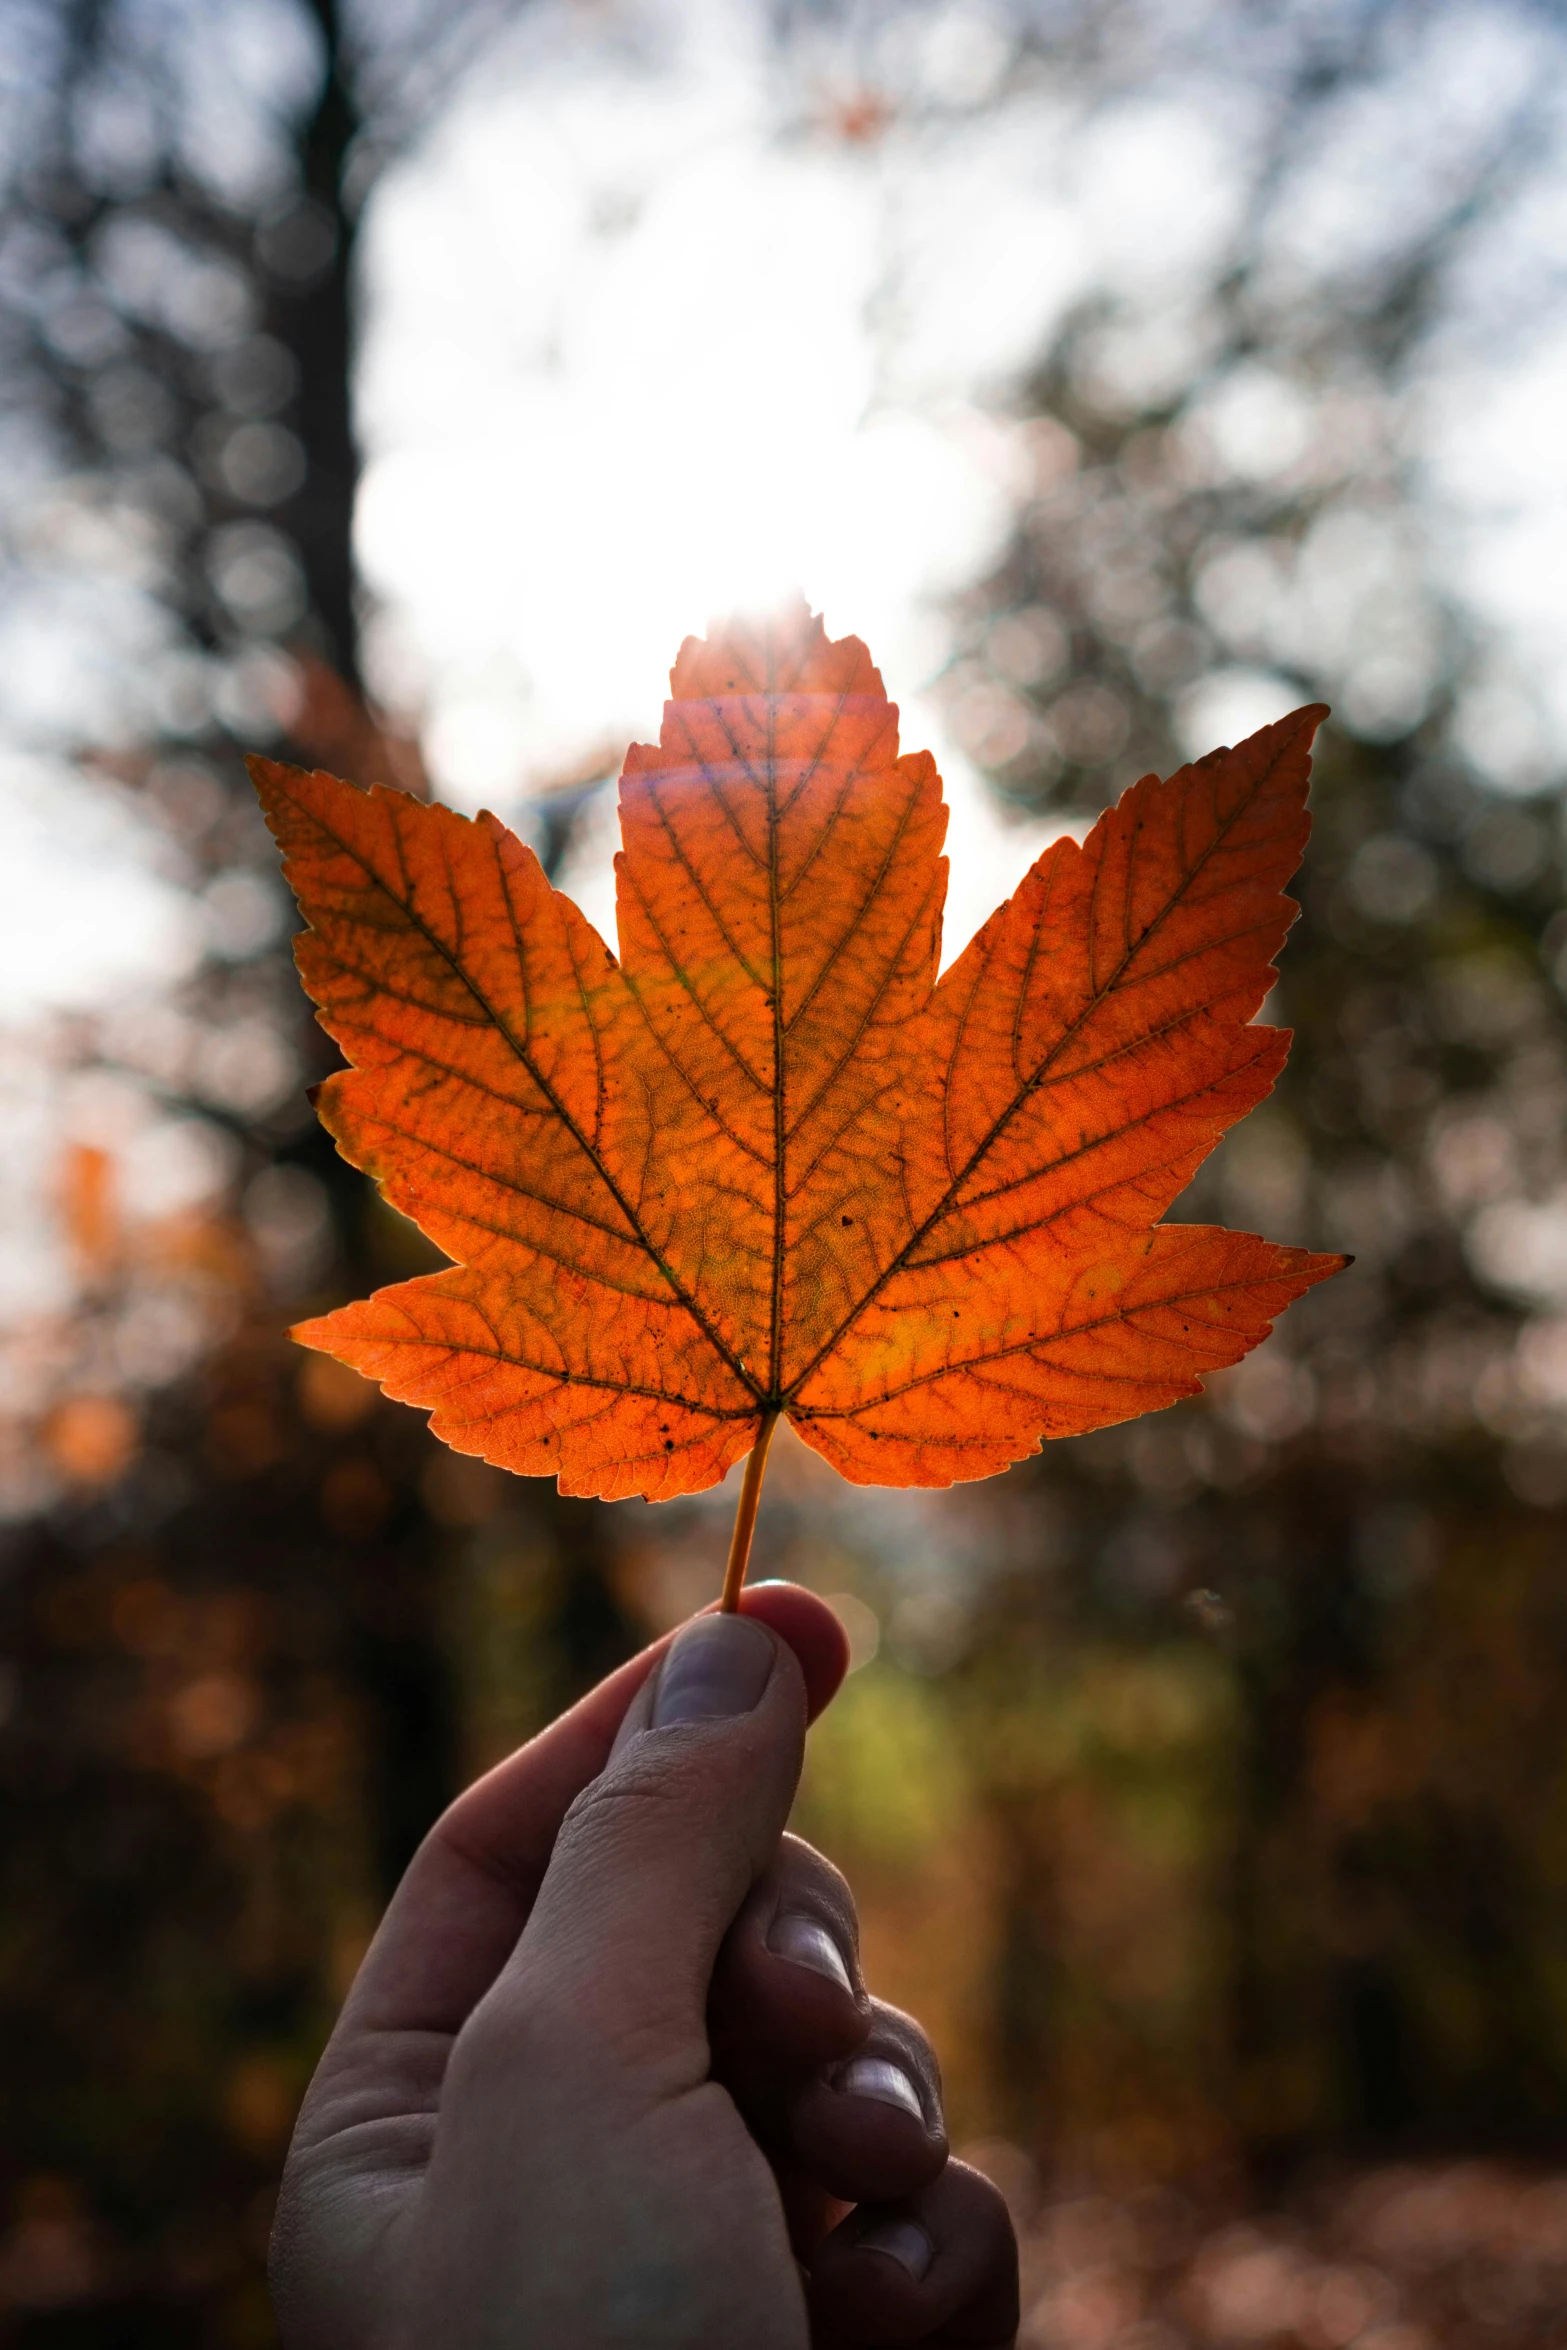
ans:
(656, 1856)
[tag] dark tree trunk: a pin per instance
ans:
(316, 322)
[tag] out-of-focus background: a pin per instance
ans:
(391, 385)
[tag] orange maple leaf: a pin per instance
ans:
(763, 1164)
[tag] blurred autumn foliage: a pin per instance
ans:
(1202, 1781)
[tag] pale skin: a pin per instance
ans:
(609, 2078)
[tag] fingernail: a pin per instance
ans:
(718, 1666)
(873, 2076)
(808, 1943)
(904, 2241)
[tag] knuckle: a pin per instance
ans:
(646, 1794)
(800, 1868)
(897, 2034)
(803, 1862)
(982, 2208)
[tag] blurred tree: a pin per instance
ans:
(230, 1632)
(1227, 480)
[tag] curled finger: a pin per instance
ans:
(870, 2128)
(938, 2268)
(787, 1996)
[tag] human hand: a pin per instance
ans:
(608, 2076)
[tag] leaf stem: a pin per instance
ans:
(745, 1515)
